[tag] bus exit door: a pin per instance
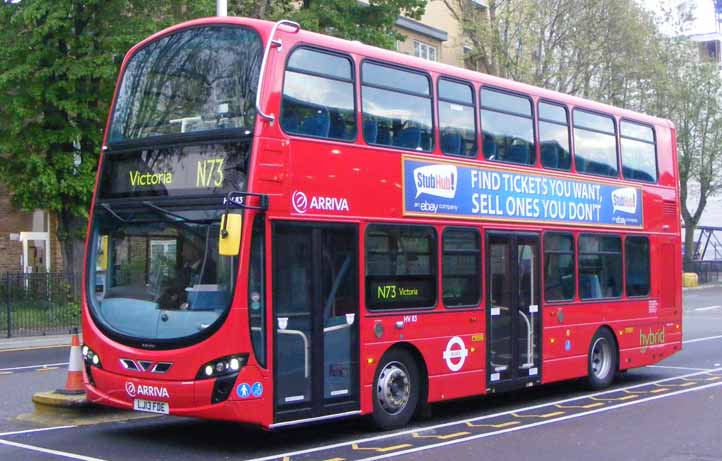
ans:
(513, 313)
(315, 316)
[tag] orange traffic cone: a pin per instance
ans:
(74, 382)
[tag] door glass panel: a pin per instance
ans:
(527, 305)
(340, 302)
(500, 290)
(293, 307)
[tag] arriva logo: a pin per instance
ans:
(299, 201)
(650, 339)
(301, 204)
(146, 391)
(625, 200)
(436, 180)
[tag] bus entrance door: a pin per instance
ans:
(315, 314)
(513, 314)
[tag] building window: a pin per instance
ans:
(425, 51)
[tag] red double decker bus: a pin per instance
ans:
(289, 227)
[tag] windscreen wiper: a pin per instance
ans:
(177, 217)
(108, 208)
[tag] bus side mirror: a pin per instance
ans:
(229, 239)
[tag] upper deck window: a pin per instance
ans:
(554, 136)
(318, 95)
(396, 107)
(507, 127)
(456, 118)
(639, 160)
(595, 144)
(195, 80)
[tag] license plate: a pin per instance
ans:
(151, 406)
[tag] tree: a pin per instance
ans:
(597, 49)
(58, 65)
(696, 107)
(371, 22)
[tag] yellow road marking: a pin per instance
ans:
(626, 397)
(546, 415)
(495, 426)
(676, 385)
(655, 391)
(713, 378)
(440, 437)
(6, 372)
(583, 407)
(335, 459)
(47, 368)
(354, 446)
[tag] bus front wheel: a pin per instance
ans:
(396, 389)
(602, 360)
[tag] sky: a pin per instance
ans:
(703, 10)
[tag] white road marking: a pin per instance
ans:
(708, 338)
(64, 454)
(35, 366)
(29, 431)
(678, 368)
(708, 308)
(495, 415)
(542, 423)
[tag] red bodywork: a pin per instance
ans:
(369, 179)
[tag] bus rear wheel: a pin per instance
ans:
(396, 390)
(602, 363)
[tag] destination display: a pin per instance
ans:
(454, 189)
(192, 170)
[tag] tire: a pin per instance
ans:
(396, 391)
(602, 360)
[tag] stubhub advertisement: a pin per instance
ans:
(454, 189)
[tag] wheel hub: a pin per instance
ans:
(601, 358)
(394, 388)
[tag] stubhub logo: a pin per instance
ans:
(625, 200)
(436, 180)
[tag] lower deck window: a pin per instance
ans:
(600, 266)
(400, 266)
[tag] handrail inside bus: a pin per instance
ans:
(271, 42)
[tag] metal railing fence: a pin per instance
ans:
(707, 271)
(39, 303)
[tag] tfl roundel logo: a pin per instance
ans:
(299, 201)
(130, 389)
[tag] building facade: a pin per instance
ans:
(28, 240)
(437, 36)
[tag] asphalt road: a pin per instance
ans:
(668, 412)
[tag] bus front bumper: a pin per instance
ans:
(180, 398)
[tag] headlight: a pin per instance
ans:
(90, 357)
(222, 367)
